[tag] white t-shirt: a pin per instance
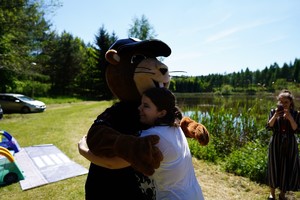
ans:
(175, 179)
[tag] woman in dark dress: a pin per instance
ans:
(283, 155)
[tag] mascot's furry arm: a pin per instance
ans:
(132, 68)
(140, 152)
(195, 130)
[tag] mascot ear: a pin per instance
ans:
(112, 57)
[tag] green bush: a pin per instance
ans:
(207, 152)
(230, 128)
(31, 88)
(226, 89)
(249, 161)
(238, 138)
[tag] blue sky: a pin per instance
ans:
(206, 36)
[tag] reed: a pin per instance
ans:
(238, 138)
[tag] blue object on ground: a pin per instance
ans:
(9, 142)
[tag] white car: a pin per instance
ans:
(20, 103)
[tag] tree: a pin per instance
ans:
(296, 73)
(141, 29)
(87, 78)
(22, 30)
(67, 59)
(103, 41)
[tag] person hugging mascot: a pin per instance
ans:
(132, 67)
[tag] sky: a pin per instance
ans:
(205, 36)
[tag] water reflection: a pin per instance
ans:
(205, 102)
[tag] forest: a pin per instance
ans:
(37, 61)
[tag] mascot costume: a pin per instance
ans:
(132, 67)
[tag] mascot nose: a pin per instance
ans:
(163, 71)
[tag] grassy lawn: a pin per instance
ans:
(64, 124)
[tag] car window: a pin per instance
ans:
(3, 98)
(8, 98)
(25, 98)
(11, 99)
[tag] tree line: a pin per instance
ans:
(269, 79)
(37, 61)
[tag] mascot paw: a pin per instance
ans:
(140, 152)
(201, 134)
(195, 130)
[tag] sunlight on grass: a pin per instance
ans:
(62, 126)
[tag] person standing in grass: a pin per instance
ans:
(283, 155)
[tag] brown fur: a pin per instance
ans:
(195, 130)
(127, 81)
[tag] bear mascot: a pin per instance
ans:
(132, 67)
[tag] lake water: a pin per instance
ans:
(205, 102)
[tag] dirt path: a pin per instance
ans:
(218, 185)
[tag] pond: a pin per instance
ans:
(206, 102)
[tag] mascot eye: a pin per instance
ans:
(135, 59)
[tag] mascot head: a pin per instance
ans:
(133, 67)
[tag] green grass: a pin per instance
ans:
(62, 125)
(59, 100)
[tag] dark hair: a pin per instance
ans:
(287, 94)
(164, 99)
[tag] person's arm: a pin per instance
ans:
(273, 119)
(140, 152)
(110, 163)
(287, 115)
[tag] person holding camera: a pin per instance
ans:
(283, 155)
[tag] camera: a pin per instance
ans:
(279, 107)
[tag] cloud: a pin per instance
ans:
(221, 35)
(228, 32)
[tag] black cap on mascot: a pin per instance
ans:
(153, 46)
